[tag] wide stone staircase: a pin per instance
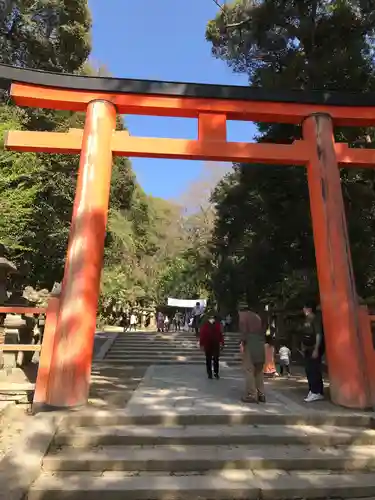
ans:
(114, 455)
(144, 348)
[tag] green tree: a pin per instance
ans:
(52, 35)
(55, 36)
(263, 246)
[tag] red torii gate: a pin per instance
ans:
(347, 327)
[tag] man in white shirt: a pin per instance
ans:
(284, 359)
(196, 314)
(133, 322)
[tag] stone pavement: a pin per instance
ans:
(186, 389)
(168, 348)
(170, 432)
(185, 437)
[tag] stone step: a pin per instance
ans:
(179, 338)
(167, 355)
(170, 345)
(167, 338)
(104, 418)
(219, 434)
(168, 335)
(167, 350)
(204, 458)
(234, 485)
(169, 342)
(181, 333)
(161, 361)
(172, 355)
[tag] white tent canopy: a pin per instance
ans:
(186, 304)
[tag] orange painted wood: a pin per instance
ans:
(212, 127)
(354, 157)
(125, 145)
(73, 347)
(20, 347)
(209, 150)
(44, 369)
(22, 310)
(368, 351)
(46, 97)
(338, 295)
(48, 142)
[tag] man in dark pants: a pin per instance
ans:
(211, 340)
(196, 314)
(313, 350)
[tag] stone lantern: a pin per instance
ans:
(6, 269)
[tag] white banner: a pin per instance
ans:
(186, 304)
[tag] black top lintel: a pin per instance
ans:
(9, 74)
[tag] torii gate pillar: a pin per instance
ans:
(73, 347)
(338, 296)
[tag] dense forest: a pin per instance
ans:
(262, 240)
(254, 240)
(150, 244)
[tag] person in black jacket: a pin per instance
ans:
(313, 350)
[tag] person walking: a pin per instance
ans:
(196, 315)
(211, 341)
(269, 366)
(284, 359)
(177, 320)
(133, 322)
(166, 324)
(160, 322)
(253, 355)
(228, 322)
(313, 350)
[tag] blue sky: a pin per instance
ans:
(162, 40)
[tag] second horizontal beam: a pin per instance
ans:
(242, 152)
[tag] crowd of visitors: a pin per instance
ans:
(258, 352)
(258, 345)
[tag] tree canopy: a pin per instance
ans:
(146, 238)
(262, 241)
(255, 239)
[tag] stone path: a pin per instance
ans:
(169, 348)
(113, 386)
(182, 436)
(186, 389)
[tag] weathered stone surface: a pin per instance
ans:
(224, 485)
(145, 487)
(188, 458)
(312, 485)
(216, 434)
(168, 348)
(22, 465)
(182, 436)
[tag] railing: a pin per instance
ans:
(21, 310)
(45, 348)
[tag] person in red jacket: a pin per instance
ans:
(211, 341)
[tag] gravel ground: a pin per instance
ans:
(13, 420)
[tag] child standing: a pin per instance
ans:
(284, 359)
